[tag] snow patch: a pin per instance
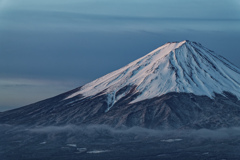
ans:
(72, 145)
(81, 150)
(171, 140)
(98, 151)
(43, 142)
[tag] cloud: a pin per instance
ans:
(13, 82)
(22, 82)
(97, 130)
(80, 22)
(120, 15)
(152, 8)
(17, 92)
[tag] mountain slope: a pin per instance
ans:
(178, 85)
(174, 67)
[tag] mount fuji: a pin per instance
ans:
(178, 85)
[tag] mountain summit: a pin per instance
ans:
(178, 85)
(185, 66)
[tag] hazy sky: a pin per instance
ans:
(52, 46)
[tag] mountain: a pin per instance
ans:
(178, 85)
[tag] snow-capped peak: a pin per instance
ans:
(174, 67)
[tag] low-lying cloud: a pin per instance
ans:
(221, 133)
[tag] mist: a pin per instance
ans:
(94, 131)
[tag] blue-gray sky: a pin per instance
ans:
(48, 47)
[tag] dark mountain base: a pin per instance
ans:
(99, 142)
(170, 111)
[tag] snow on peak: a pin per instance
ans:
(184, 66)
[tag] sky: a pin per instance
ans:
(49, 47)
